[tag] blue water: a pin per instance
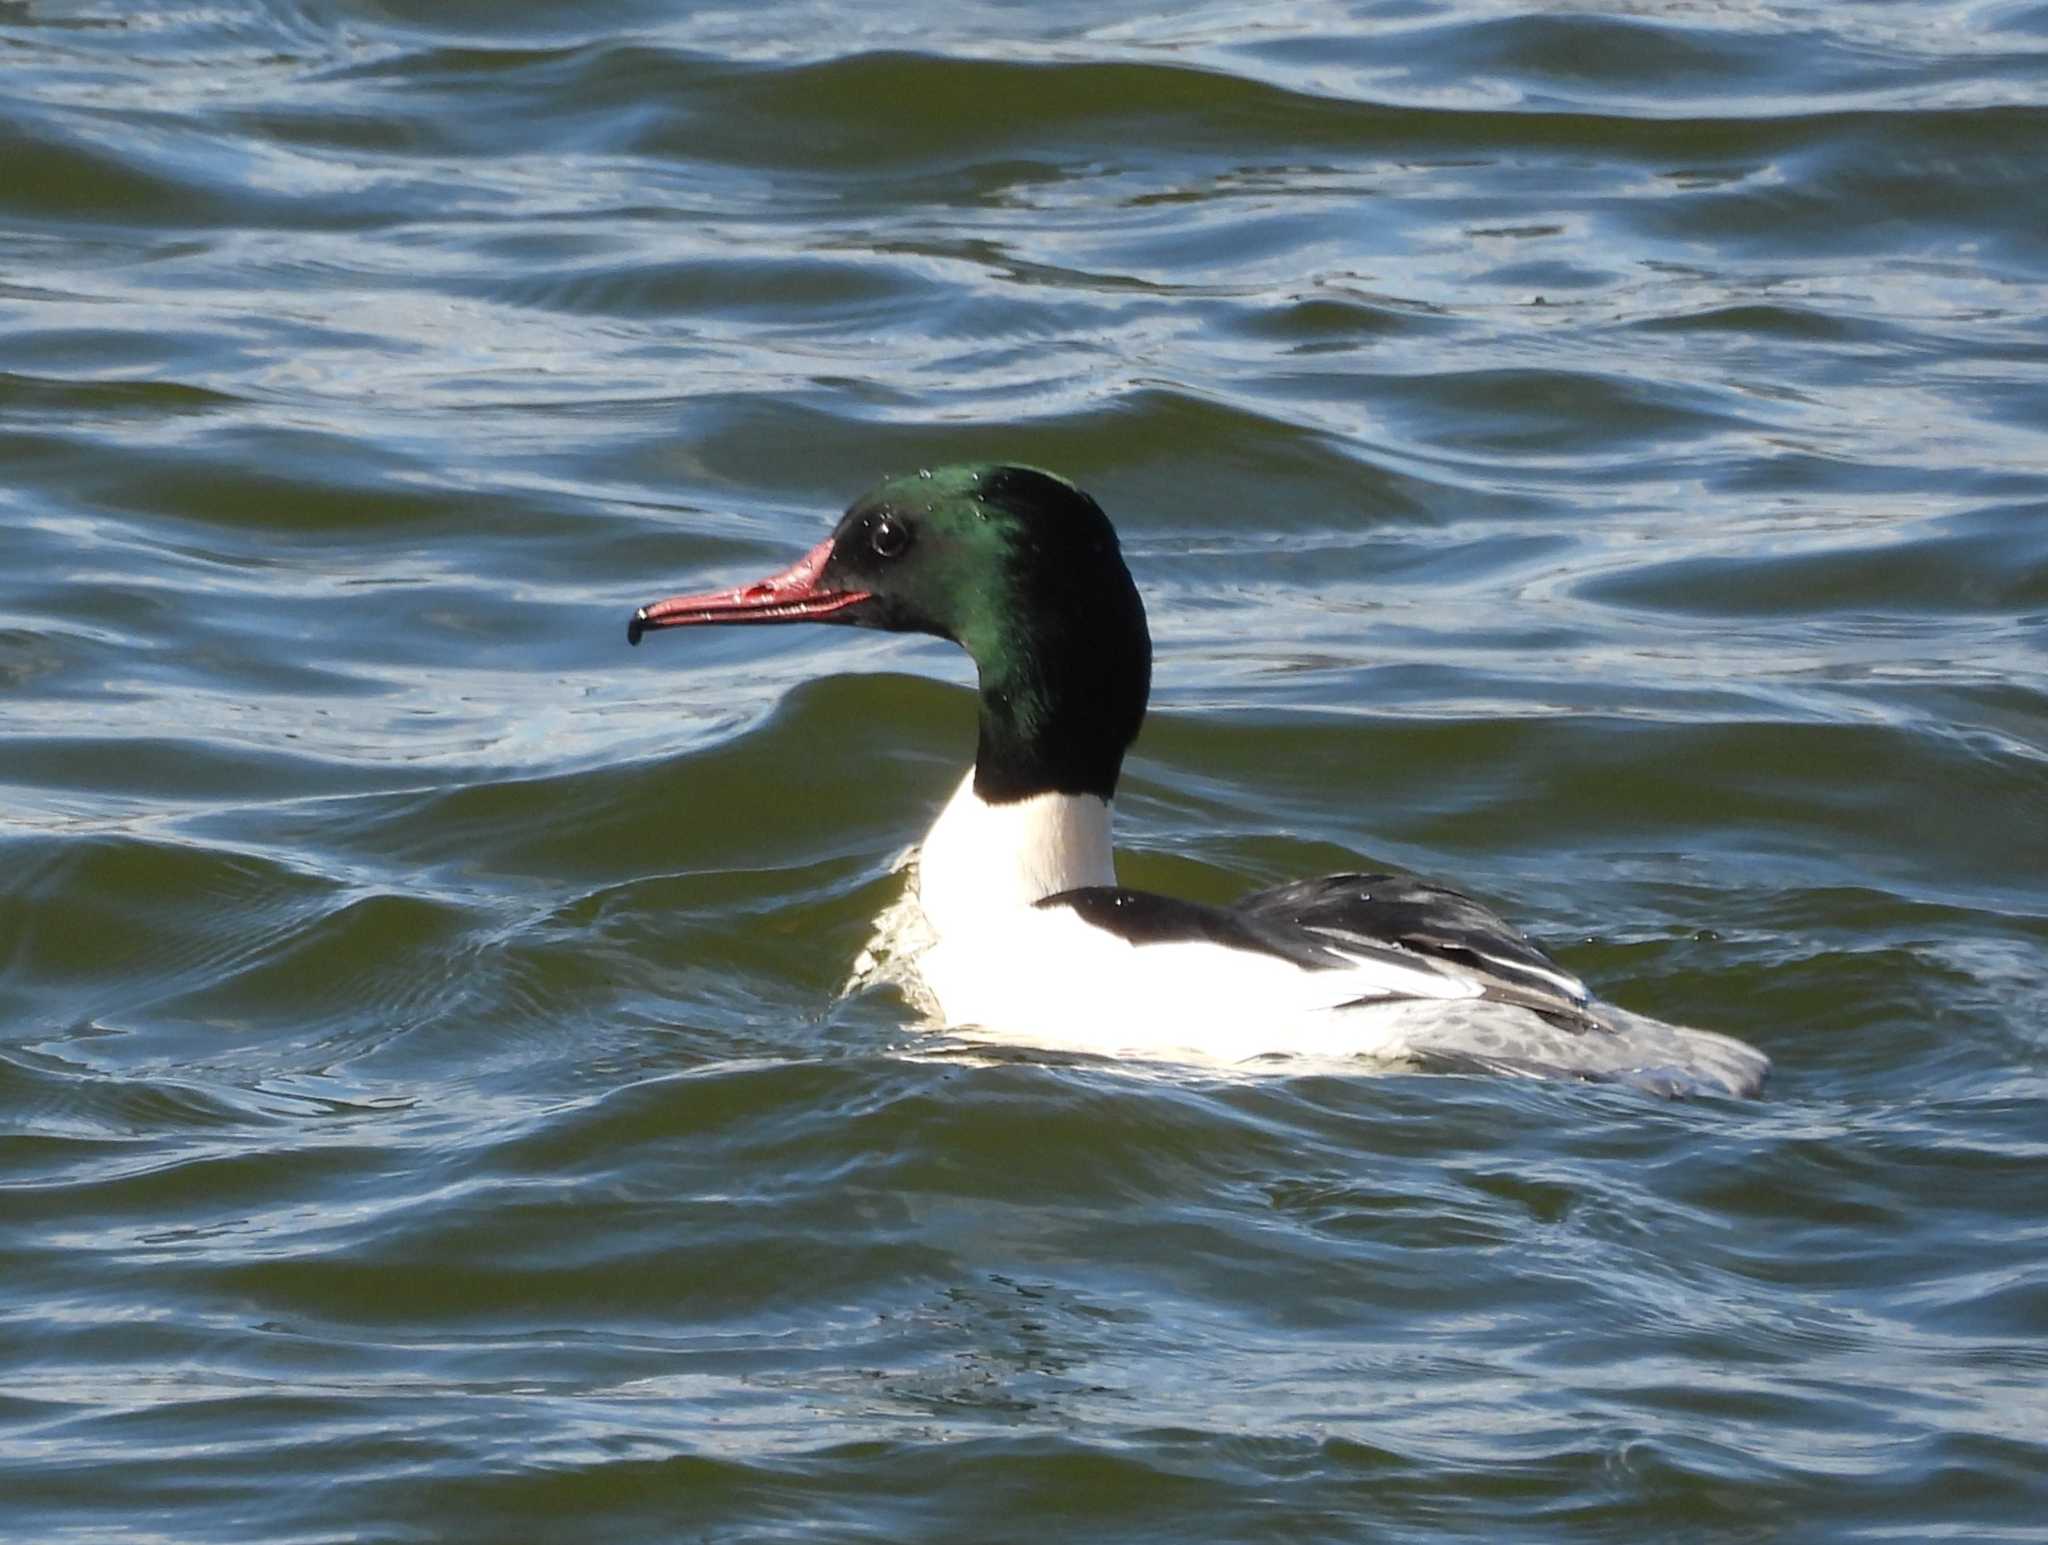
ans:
(1597, 458)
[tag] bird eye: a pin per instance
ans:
(888, 537)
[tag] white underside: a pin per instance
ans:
(969, 949)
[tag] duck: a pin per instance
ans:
(1022, 935)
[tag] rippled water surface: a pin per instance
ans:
(1595, 456)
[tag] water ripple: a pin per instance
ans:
(1593, 457)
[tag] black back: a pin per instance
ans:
(1333, 922)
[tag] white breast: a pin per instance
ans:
(982, 862)
(993, 962)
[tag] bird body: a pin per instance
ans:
(1018, 930)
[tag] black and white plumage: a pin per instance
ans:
(1015, 928)
(1337, 921)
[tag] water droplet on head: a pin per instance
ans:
(924, 472)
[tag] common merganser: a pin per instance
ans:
(1026, 936)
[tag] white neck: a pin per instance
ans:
(980, 858)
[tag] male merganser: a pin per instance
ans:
(1029, 939)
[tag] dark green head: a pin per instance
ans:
(1018, 567)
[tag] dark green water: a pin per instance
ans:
(1599, 458)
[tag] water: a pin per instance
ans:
(1595, 457)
